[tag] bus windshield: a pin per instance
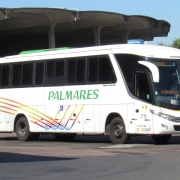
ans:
(167, 89)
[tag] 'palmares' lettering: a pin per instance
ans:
(74, 95)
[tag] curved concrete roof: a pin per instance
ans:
(62, 27)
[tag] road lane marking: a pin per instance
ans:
(123, 146)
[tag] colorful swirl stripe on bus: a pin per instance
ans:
(12, 107)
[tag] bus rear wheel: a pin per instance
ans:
(22, 129)
(117, 131)
(65, 136)
(161, 138)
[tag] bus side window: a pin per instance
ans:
(27, 74)
(50, 69)
(0, 76)
(54, 72)
(39, 75)
(80, 71)
(93, 69)
(55, 69)
(76, 71)
(17, 75)
(71, 71)
(5, 74)
(106, 71)
(59, 71)
(22, 74)
(100, 70)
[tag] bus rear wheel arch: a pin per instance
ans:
(117, 131)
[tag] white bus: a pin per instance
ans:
(119, 90)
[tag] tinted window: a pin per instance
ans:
(100, 70)
(80, 72)
(106, 72)
(54, 69)
(76, 71)
(22, 74)
(17, 74)
(142, 89)
(71, 71)
(5, 70)
(27, 74)
(128, 63)
(50, 69)
(93, 64)
(54, 73)
(39, 73)
(59, 69)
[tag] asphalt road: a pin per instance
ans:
(88, 157)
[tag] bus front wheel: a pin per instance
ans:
(117, 131)
(161, 138)
(22, 129)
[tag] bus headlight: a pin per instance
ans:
(162, 115)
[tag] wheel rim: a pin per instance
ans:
(118, 131)
(22, 129)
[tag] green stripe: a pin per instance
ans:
(42, 50)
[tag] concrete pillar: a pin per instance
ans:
(97, 36)
(52, 35)
(125, 36)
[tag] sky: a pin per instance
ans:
(168, 10)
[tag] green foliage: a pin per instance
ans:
(163, 44)
(175, 43)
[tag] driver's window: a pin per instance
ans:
(141, 86)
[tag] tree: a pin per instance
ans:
(175, 43)
(163, 44)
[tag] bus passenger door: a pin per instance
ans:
(143, 122)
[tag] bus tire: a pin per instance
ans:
(65, 136)
(117, 131)
(22, 129)
(161, 138)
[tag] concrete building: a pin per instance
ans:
(41, 28)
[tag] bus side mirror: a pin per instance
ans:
(153, 68)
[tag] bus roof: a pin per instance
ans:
(146, 50)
